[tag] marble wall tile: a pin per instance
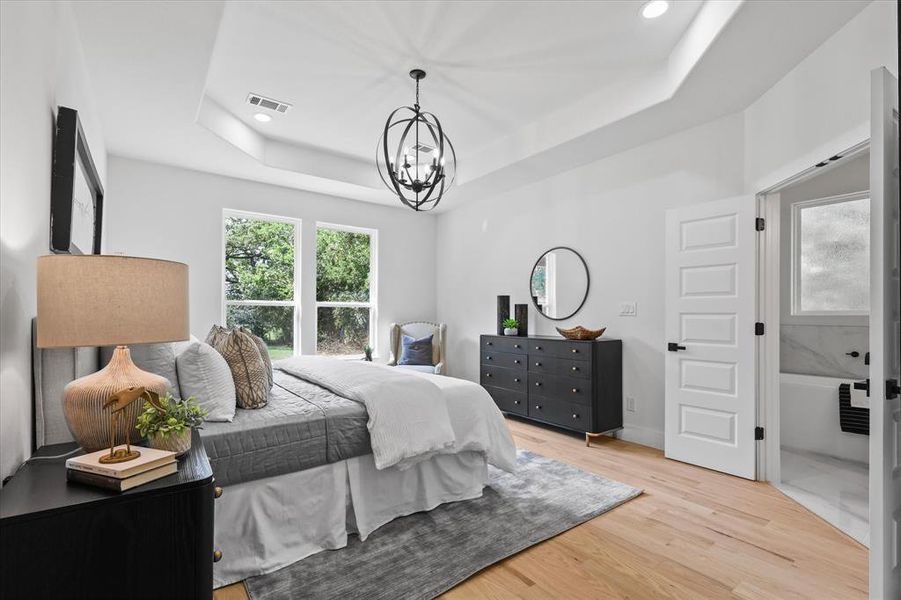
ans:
(820, 350)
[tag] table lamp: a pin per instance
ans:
(95, 300)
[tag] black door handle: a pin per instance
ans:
(863, 385)
(674, 347)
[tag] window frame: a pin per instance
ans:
(796, 313)
(372, 304)
(296, 303)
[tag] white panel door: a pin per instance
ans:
(885, 368)
(710, 312)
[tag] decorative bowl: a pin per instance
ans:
(580, 333)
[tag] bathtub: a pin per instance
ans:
(808, 409)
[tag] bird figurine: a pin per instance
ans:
(117, 403)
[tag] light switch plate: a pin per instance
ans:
(628, 309)
(630, 404)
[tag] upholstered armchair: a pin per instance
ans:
(418, 330)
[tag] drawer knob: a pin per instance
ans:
(516, 380)
(488, 357)
(575, 368)
(217, 555)
(538, 347)
(575, 350)
(516, 402)
(575, 390)
(217, 492)
(538, 364)
(537, 384)
(489, 344)
(515, 361)
(487, 374)
(575, 416)
(538, 406)
(516, 345)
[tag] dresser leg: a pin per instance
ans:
(591, 436)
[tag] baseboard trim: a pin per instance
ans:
(642, 435)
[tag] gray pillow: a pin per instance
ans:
(204, 374)
(416, 352)
(153, 358)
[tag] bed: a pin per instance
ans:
(342, 448)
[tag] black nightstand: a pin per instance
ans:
(66, 540)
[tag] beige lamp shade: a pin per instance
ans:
(94, 300)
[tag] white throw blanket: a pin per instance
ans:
(412, 415)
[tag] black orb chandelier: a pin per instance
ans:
(415, 158)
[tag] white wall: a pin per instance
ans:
(166, 212)
(41, 66)
(612, 212)
(822, 106)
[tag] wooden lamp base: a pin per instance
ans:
(83, 401)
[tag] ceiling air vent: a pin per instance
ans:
(264, 102)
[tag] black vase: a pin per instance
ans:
(503, 312)
(522, 319)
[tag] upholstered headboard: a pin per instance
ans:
(52, 369)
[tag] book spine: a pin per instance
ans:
(94, 479)
(91, 469)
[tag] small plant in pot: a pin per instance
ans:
(168, 425)
(367, 351)
(511, 327)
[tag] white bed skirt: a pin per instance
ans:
(267, 524)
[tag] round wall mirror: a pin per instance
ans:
(559, 283)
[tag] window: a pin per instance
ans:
(260, 279)
(345, 289)
(831, 256)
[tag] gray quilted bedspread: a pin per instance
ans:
(303, 426)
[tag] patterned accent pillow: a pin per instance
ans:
(247, 366)
(416, 352)
(264, 352)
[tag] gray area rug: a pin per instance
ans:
(425, 554)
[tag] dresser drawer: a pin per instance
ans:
(540, 363)
(573, 368)
(513, 344)
(511, 379)
(565, 414)
(504, 359)
(567, 389)
(509, 401)
(573, 350)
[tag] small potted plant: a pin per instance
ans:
(511, 327)
(168, 426)
(367, 351)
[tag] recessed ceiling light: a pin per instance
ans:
(654, 9)
(262, 117)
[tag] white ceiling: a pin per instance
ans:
(524, 89)
(491, 66)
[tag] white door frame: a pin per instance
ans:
(769, 465)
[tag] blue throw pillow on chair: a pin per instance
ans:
(416, 352)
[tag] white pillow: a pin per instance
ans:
(204, 374)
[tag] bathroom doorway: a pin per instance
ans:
(818, 250)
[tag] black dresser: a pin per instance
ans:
(572, 384)
(66, 540)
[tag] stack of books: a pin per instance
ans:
(153, 464)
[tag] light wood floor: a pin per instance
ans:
(694, 533)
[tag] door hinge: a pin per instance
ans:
(759, 328)
(760, 224)
(891, 389)
(758, 433)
